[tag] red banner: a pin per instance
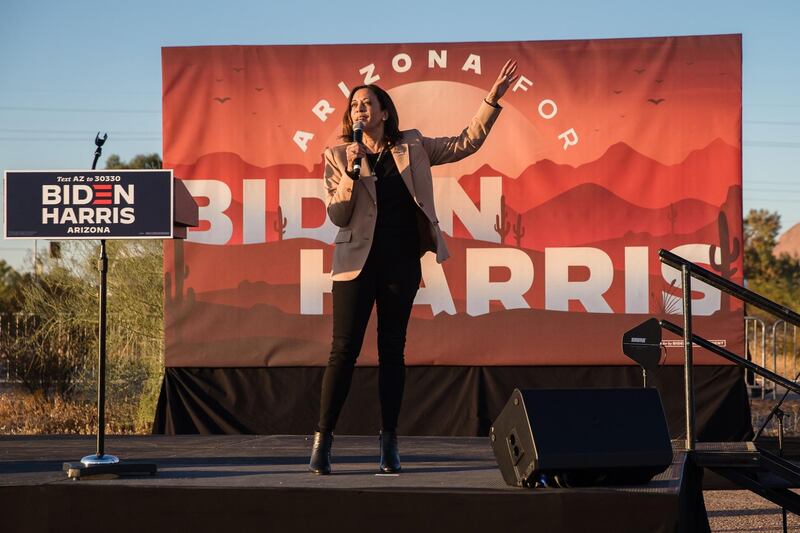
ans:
(605, 151)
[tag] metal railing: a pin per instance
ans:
(688, 271)
(784, 349)
(775, 346)
(755, 345)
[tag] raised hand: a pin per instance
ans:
(508, 75)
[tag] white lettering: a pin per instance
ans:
(85, 215)
(51, 194)
(438, 59)
(368, 72)
(473, 62)
(301, 139)
(570, 138)
(553, 109)
(219, 199)
(254, 207)
(436, 291)
(451, 199)
(401, 63)
(68, 216)
(49, 215)
(322, 109)
(511, 293)
(121, 193)
(710, 301)
(522, 83)
(126, 215)
(291, 193)
(314, 282)
(637, 281)
(103, 215)
(559, 290)
(81, 195)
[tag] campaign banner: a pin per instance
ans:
(605, 151)
(88, 204)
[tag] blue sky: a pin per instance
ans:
(72, 68)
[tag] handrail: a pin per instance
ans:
(689, 270)
(730, 287)
(730, 356)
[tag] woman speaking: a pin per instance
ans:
(380, 194)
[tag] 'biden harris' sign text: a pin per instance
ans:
(80, 204)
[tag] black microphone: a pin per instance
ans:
(358, 135)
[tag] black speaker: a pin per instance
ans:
(580, 437)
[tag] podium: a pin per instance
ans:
(107, 204)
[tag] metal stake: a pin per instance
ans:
(688, 370)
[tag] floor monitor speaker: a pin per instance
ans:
(581, 437)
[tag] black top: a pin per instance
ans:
(396, 208)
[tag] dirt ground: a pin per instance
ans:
(742, 510)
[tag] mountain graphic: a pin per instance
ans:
(594, 202)
(705, 174)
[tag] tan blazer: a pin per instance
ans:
(353, 205)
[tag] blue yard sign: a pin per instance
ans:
(88, 204)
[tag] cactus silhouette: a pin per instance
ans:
(728, 252)
(672, 216)
(280, 224)
(519, 230)
(501, 225)
(181, 272)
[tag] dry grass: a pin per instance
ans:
(22, 413)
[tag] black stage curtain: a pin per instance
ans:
(439, 400)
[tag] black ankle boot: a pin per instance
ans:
(390, 453)
(321, 453)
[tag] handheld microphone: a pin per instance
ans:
(358, 135)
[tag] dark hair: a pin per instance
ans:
(391, 127)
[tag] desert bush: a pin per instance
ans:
(25, 413)
(56, 358)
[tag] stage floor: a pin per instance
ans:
(246, 482)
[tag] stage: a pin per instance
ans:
(243, 483)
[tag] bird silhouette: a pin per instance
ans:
(259, 89)
(639, 70)
(655, 101)
(218, 79)
(659, 81)
(618, 92)
(690, 62)
(222, 99)
(238, 69)
(622, 116)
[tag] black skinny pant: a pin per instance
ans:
(390, 279)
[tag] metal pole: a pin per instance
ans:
(688, 370)
(100, 458)
(102, 266)
(781, 414)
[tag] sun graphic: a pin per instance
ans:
(444, 108)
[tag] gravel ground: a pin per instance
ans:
(742, 510)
